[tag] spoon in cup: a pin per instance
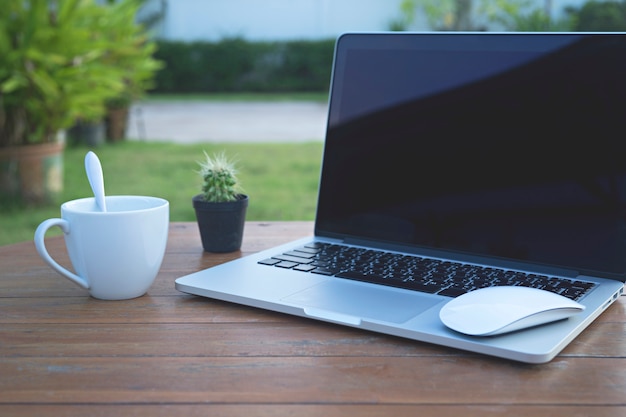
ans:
(96, 178)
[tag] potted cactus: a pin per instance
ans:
(221, 207)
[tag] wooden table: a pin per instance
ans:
(168, 353)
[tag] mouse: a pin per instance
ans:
(498, 310)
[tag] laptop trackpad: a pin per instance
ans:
(362, 301)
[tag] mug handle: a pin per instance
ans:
(40, 234)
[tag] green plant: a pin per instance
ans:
(599, 16)
(51, 68)
(513, 15)
(440, 14)
(131, 51)
(64, 60)
(523, 16)
(237, 65)
(219, 176)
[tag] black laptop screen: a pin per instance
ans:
(506, 145)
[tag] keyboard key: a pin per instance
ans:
(423, 287)
(270, 261)
(307, 250)
(286, 264)
(452, 291)
(359, 276)
(300, 254)
(304, 267)
(323, 271)
(295, 259)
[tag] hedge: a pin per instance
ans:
(237, 65)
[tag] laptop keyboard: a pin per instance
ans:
(417, 273)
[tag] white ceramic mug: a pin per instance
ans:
(116, 254)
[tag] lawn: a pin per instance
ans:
(281, 180)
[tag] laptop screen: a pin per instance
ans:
(490, 144)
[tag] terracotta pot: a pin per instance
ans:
(116, 123)
(31, 174)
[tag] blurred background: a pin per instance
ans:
(283, 45)
(152, 84)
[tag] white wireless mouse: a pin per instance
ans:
(496, 310)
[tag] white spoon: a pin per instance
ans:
(96, 179)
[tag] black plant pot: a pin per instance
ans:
(221, 224)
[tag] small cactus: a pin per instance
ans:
(220, 183)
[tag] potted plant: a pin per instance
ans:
(60, 65)
(221, 207)
(133, 55)
(51, 74)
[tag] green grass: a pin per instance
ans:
(281, 180)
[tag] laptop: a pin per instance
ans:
(458, 155)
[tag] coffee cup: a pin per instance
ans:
(116, 254)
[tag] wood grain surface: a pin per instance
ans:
(168, 353)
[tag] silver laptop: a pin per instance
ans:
(497, 152)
